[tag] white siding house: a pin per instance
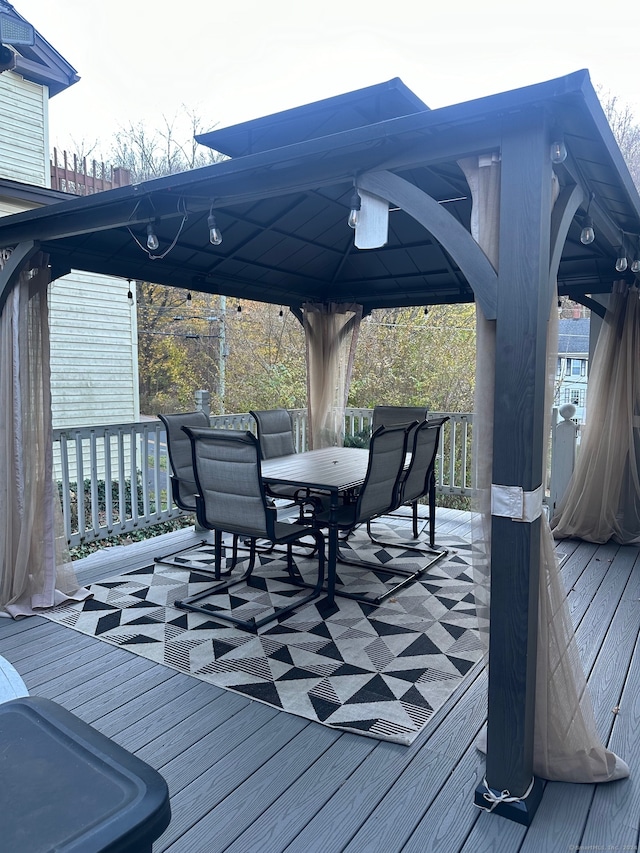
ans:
(94, 353)
(572, 372)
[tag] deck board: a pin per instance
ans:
(244, 776)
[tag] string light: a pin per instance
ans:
(215, 235)
(152, 239)
(621, 260)
(587, 235)
(356, 205)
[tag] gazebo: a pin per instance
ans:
(416, 182)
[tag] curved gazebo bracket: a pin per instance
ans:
(13, 266)
(447, 231)
(564, 210)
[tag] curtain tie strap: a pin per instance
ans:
(514, 503)
(494, 798)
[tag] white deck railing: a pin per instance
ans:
(124, 472)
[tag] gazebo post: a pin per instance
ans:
(520, 380)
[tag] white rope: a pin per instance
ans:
(503, 797)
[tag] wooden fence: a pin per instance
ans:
(72, 174)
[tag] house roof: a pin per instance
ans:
(40, 62)
(282, 210)
(573, 336)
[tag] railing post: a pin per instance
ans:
(563, 454)
(203, 402)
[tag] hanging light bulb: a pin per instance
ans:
(635, 265)
(152, 240)
(239, 308)
(558, 150)
(587, 235)
(188, 297)
(281, 313)
(130, 293)
(356, 205)
(621, 261)
(215, 235)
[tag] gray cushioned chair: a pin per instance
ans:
(183, 484)
(391, 416)
(378, 495)
(231, 498)
(275, 433)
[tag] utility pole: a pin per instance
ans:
(222, 353)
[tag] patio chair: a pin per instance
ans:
(231, 498)
(183, 484)
(392, 416)
(419, 480)
(378, 495)
(275, 434)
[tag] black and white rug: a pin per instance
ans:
(378, 671)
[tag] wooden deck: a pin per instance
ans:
(244, 777)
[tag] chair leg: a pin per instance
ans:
(167, 559)
(253, 624)
(186, 603)
(408, 577)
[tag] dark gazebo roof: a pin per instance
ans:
(282, 201)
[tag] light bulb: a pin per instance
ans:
(621, 262)
(635, 266)
(356, 204)
(558, 151)
(152, 240)
(215, 236)
(587, 235)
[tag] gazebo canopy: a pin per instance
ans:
(282, 200)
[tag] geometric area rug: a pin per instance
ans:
(376, 671)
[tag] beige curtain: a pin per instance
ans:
(566, 743)
(36, 571)
(602, 500)
(331, 333)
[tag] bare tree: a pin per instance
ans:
(171, 148)
(625, 129)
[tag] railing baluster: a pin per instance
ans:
(108, 483)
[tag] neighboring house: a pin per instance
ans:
(94, 352)
(572, 373)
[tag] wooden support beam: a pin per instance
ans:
(14, 266)
(520, 380)
(441, 224)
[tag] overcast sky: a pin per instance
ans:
(141, 60)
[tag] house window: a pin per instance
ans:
(577, 396)
(567, 367)
(559, 367)
(577, 366)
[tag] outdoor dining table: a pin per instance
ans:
(335, 471)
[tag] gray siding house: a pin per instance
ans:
(94, 354)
